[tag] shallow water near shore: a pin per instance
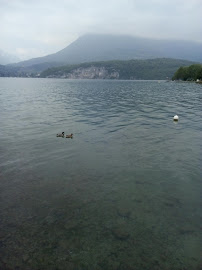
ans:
(123, 194)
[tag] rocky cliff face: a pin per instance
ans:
(89, 73)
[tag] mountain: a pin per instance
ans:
(30, 71)
(151, 69)
(6, 58)
(92, 47)
(9, 71)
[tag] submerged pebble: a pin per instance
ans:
(120, 233)
(124, 212)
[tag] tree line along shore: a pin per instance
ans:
(189, 73)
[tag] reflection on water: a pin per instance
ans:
(124, 193)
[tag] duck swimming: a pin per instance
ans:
(69, 136)
(61, 134)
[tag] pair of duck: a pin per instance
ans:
(63, 134)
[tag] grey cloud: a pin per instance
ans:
(43, 27)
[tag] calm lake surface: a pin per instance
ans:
(123, 194)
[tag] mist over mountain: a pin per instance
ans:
(94, 47)
(6, 58)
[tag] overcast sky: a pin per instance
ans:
(31, 28)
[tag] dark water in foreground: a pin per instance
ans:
(123, 194)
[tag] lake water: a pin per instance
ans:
(123, 194)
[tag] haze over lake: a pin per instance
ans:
(124, 193)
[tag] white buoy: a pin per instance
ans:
(176, 118)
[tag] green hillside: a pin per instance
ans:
(152, 69)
